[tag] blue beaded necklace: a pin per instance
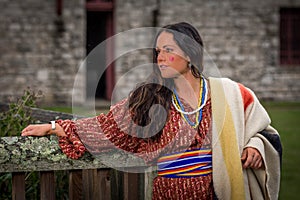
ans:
(202, 100)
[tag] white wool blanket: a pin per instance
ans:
(234, 128)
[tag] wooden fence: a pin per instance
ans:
(88, 177)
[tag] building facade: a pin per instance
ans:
(44, 45)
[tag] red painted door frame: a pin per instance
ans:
(108, 7)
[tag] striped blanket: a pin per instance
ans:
(238, 120)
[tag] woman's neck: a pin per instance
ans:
(188, 88)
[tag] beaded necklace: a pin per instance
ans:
(201, 102)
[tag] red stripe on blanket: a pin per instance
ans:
(246, 95)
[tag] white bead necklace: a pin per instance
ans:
(199, 108)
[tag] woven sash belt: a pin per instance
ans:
(191, 163)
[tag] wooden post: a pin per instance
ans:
(148, 183)
(75, 184)
(96, 184)
(18, 185)
(131, 186)
(117, 184)
(89, 181)
(104, 177)
(47, 185)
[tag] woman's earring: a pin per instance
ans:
(190, 65)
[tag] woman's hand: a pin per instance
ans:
(36, 130)
(42, 130)
(251, 158)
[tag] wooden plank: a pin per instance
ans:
(117, 184)
(75, 184)
(131, 186)
(148, 182)
(104, 186)
(18, 185)
(96, 184)
(89, 181)
(47, 184)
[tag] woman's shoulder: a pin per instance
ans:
(227, 82)
(232, 88)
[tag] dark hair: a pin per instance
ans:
(158, 90)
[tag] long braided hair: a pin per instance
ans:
(158, 90)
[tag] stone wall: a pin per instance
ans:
(132, 46)
(39, 49)
(42, 50)
(241, 38)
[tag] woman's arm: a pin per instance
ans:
(42, 130)
(101, 133)
(69, 141)
(251, 156)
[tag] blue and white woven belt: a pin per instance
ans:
(186, 164)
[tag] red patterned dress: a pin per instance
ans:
(111, 130)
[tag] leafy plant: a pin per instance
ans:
(5, 184)
(13, 121)
(17, 117)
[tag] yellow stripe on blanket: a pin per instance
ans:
(231, 157)
(227, 141)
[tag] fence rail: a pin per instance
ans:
(89, 178)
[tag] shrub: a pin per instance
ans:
(17, 117)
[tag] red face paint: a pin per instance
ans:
(171, 58)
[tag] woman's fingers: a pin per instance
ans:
(251, 158)
(247, 159)
(36, 130)
(257, 161)
(27, 130)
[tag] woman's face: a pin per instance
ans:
(171, 60)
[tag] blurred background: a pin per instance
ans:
(257, 43)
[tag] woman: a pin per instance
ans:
(211, 144)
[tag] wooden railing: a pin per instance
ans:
(88, 177)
